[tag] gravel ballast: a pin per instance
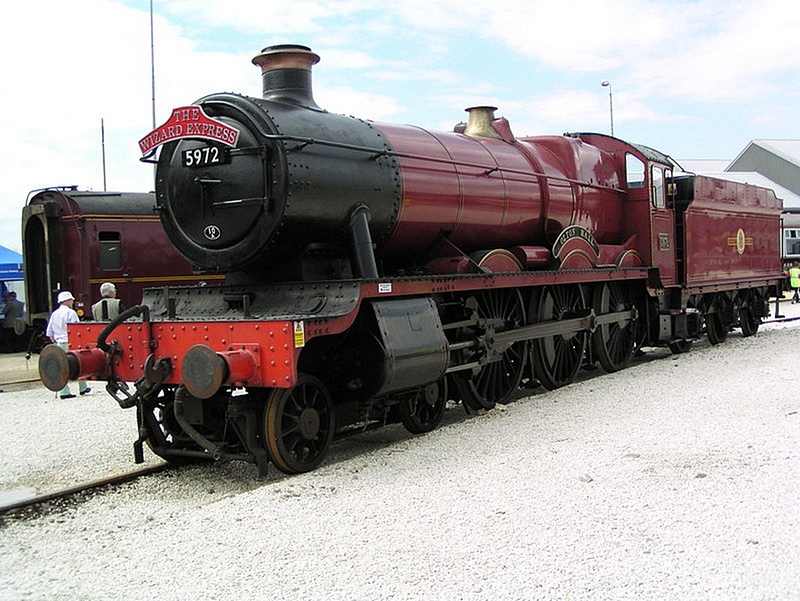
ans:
(676, 478)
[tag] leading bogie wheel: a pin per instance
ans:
(422, 410)
(164, 434)
(298, 425)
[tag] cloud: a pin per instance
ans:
(708, 50)
(61, 78)
(345, 100)
(343, 58)
(734, 59)
(406, 72)
(276, 16)
(85, 61)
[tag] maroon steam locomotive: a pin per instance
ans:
(374, 271)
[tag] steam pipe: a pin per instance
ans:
(363, 253)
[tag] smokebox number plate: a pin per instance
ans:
(203, 157)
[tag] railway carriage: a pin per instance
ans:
(375, 271)
(75, 240)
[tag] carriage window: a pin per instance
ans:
(110, 251)
(657, 183)
(634, 169)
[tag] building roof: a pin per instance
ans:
(704, 165)
(788, 150)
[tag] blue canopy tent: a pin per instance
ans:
(10, 267)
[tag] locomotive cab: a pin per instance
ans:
(649, 211)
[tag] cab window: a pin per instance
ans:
(657, 183)
(634, 171)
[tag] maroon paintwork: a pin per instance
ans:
(731, 233)
(500, 193)
(490, 193)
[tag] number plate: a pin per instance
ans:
(205, 156)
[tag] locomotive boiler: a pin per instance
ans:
(376, 271)
(301, 182)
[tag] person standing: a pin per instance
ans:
(3, 302)
(794, 282)
(14, 310)
(57, 332)
(109, 306)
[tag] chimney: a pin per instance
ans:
(286, 73)
(479, 122)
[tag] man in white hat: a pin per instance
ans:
(57, 332)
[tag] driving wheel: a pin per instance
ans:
(298, 425)
(494, 381)
(615, 343)
(557, 359)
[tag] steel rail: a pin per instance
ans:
(20, 382)
(73, 490)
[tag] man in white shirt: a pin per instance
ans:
(57, 332)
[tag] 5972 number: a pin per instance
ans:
(202, 157)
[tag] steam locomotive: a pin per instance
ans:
(376, 271)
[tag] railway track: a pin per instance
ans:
(781, 319)
(80, 488)
(12, 382)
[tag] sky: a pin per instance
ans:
(692, 78)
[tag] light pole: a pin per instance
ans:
(607, 84)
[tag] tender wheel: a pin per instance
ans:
(494, 382)
(748, 322)
(716, 330)
(423, 410)
(615, 343)
(680, 346)
(298, 425)
(558, 359)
